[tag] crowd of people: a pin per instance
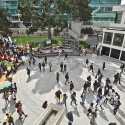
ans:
(104, 93)
(10, 52)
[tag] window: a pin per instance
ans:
(105, 50)
(123, 56)
(108, 38)
(118, 39)
(115, 53)
(118, 18)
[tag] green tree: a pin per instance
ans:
(5, 24)
(79, 10)
(44, 14)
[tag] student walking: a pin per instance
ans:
(117, 107)
(103, 66)
(5, 96)
(45, 58)
(91, 68)
(57, 77)
(58, 95)
(116, 78)
(34, 61)
(83, 96)
(28, 71)
(50, 66)
(73, 98)
(87, 62)
(67, 78)
(70, 117)
(9, 119)
(71, 86)
(39, 65)
(64, 99)
(61, 66)
(93, 116)
(29, 62)
(119, 77)
(66, 56)
(90, 110)
(65, 68)
(43, 65)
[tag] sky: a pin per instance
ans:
(123, 2)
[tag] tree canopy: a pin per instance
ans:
(5, 24)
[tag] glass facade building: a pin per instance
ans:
(102, 14)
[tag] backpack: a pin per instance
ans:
(10, 119)
(16, 105)
(81, 95)
(72, 96)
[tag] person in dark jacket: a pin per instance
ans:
(57, 77)
(73, 97)
(116, 78)
(117, 107)
(61, 66)
(91, 68)
(39, 65)
(45, 58)
(67, 78)
(58, 95)
(71, 86)
(70, 117)
(87, 62)
(28, 71)
(103, 66)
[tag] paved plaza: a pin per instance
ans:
(41, 86)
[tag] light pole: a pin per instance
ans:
(20, 37)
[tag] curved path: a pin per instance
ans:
(42, 86)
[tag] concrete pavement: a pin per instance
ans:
(42, 86)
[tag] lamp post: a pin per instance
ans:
(20, 37)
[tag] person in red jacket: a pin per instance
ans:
(45, 105)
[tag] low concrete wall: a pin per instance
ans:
(56, 120)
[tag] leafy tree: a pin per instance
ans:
(79, 10)
(5, 24)
(44, 14)
(87, 30)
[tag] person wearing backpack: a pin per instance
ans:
(91, 68)
(90, 110)
(69, 115)
(83, 96)
(28, 71)
(93, 116)
(73, 97)
(64, 99)
(116, 107)
(67, 78)
(99, 102)
(39, 65)
(71, 86)
(9, 119)
(116, 78)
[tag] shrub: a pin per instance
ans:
(83, 44)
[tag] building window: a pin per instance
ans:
(105, 50)
(118, 39)
(118, 18)
(123, 56)
(115, 53)
(108, 38)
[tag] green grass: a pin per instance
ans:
(9, 64)
(32, 39)
(29, 39)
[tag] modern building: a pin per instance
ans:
(103, 14)
(113, 42)
(11, 5)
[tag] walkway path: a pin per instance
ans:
(42, 86)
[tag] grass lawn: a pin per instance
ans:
(29, 39)
(9, 64)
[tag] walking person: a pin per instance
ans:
(9, 119)
(45, 58)
(103, 66)
(29, 62)
(71, 86)
(34, 61)
(50, 66)
(39, 65)
(67, 78)
(73, 98)
(119, 77)
(87, 62)
(61, 66)
(58, 95)
(69, 115)
(116, 78)
(5, 96)
(90, 109)
(28, 71)
(43, 65)
(91, 68)
(117, 105)
(66, 56)
(93, 49)
(99, 102)
(20, 111)
(83, 96)
(65, 68)
(57, 77)
(64, 99)
(95, 86)
(93, 116)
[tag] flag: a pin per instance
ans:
(60, 53)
